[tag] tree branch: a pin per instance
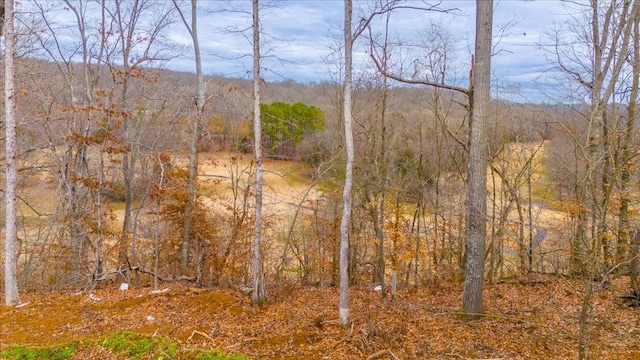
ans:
(384, 72)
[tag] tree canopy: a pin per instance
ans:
(284, 125)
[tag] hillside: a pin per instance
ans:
(527, 318)
(536, 316)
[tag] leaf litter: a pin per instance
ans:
(531, 317)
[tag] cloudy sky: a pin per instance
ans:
(301, 36)
(302, 39)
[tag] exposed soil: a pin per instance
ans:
(528, 318)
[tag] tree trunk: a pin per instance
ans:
(348, 181)
(258, 295)
(381, 233)
(127, 172)
(10, 254)
(476, 199)
(189, 227)
(200, 102)
(625, 226)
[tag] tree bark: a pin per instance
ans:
(476, 192)
(348, 181)
(10, 254)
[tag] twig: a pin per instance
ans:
(346, 336)
(377, 355)
(394, 356)
(241, 343)
(198, 333)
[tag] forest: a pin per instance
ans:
(394, 212)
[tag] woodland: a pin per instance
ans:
(387, 214)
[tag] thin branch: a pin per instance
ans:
(384, 72)
(393, 5)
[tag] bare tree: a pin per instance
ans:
(350, 36)
(348, 180)
(258, 295)
(77, 94)
(81, 91)
(197, 132)
(10, 254)
(476, 193)
(134, 39)
(591, 52)
(625, 227)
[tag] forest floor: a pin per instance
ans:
(534, 317)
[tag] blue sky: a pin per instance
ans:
(303, 34)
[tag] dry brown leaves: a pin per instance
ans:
(535, 317)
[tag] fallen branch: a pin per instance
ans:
(104, 276)
(196, 332)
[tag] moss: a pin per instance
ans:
(126, 344)
(59, 352)
(137, 346)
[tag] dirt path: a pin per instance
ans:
(285, 186)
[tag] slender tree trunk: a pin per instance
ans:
(10, 254)
(476, 193)
(97, 257)
(348, 181)
(127, 169)
(127, 173)
(625, 226)
(200, 77)
(259, 292)
(192, 182)
(530, 219)
(383, 162)
(200, 102)
(189, 227)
